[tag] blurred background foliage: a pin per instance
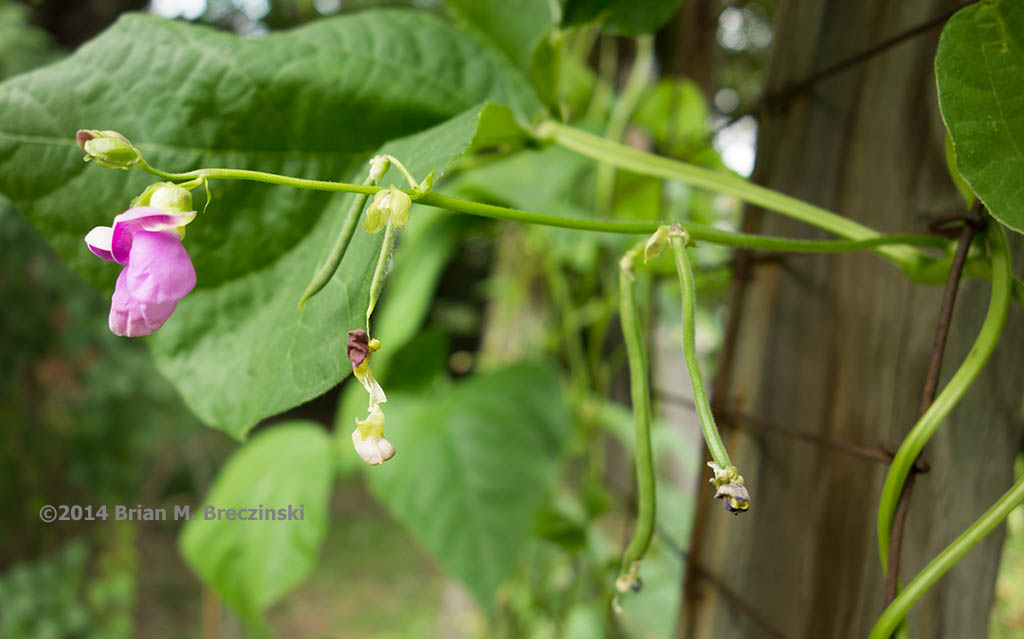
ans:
(88, 420)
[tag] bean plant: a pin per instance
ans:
(276, 213)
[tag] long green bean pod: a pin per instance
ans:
(640, 391)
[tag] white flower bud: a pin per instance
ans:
(389, 205)
(368, 439)
(378, 167)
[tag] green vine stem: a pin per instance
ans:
(945, 560)
(340, 245)
(628, 578)
(991, 328)
(874, 242)
(629, 158)
(380, 273)
(700, 398)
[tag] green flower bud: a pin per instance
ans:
(166, 196)
(389, 205)
(400, 205)
(656, 243)
(110, 149)
(376, 215)
(172, 198)
(378, 167)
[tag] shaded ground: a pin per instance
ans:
(372, 581)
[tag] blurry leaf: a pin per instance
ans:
(637, 197)
(189, 96)
(675, 113)
(979, 70)
(23, 46)
(543, 181)
(585, 620)
(621, 17)
(578, 81)
(546, 69)
(252, 564)
(420, 364)
(560, 529)
(672, 452)
(473, 468)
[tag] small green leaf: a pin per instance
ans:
(979, 69)
(287, 472)
(621, 17)
(473, 467)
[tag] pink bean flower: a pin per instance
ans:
(157, 272)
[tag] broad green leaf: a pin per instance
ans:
(287, 472)
(473, 467)
(979, 69)
(621, 17)
(189, 97)
(954, 174)
(519, 30)
(512, 26)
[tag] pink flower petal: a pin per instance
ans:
(99, 240)
(141, 218)
(131, 318)
(159, 269)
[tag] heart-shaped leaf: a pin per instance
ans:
(979, 69)
(477, 464)
(258, 532)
